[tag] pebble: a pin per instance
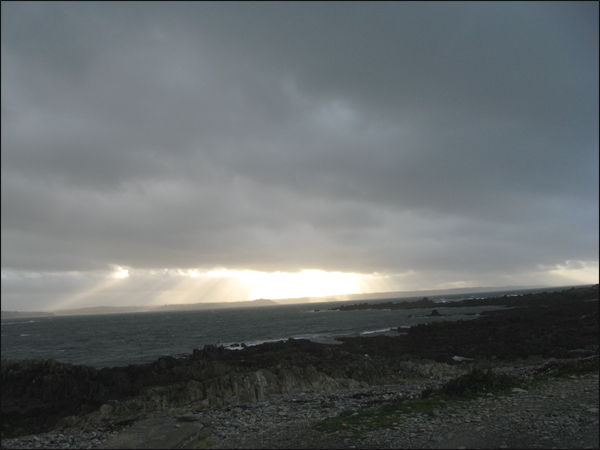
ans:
(492, 418)
(60, 440)
(564, 411)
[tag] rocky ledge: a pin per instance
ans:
(45, 395)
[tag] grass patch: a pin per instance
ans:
(456, 393)
(562, 369)
(475, 382)
(391, 415)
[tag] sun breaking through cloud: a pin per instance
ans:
(306, 149)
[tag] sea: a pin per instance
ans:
(110, 340)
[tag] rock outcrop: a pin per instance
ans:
(40, 394)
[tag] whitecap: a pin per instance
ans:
(239, 346)
(13, 323)
(376, 331)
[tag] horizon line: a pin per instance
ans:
(281, 301)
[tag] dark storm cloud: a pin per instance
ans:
(444, 137)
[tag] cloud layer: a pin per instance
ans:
(454, 141)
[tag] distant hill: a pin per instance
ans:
(174, 307)
(136, 309)
(9, 314)
(267, 302)
(409, 294)
(430, 292)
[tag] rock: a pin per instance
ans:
(188, 417)
(519, 390)
(461, 358)
(106, 410)
(160, 433)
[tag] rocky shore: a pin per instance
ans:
(249, 397)
(561, 413)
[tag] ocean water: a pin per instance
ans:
(120, 339)
(110, 340)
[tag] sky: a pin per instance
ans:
(157, 153)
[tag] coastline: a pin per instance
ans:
(567, 407)
(142, 338)
(560, 326)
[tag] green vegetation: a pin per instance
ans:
(560, 369)
(391, 415)
(475, 382)
(455, 394)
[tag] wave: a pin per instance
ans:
(377, 331)
(316, 337)
(239, 346)
(19, 323)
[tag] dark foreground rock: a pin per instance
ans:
(561, 413)
(40, 395)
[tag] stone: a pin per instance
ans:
(461, 358)
(160, 433)
(188, 417)
(519, 390)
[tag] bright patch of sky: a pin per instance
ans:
(180, 152)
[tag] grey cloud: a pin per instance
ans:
(361, 137)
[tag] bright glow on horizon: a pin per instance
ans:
(121, 273)
(307, 283)
(150, 288)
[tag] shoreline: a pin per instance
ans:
(561, 325)
(84, 354)
(509, 420)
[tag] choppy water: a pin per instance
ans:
(121, 339)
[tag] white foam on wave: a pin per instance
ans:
(19, 323)
(322, 336)
(241, 345)
(376, 331)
